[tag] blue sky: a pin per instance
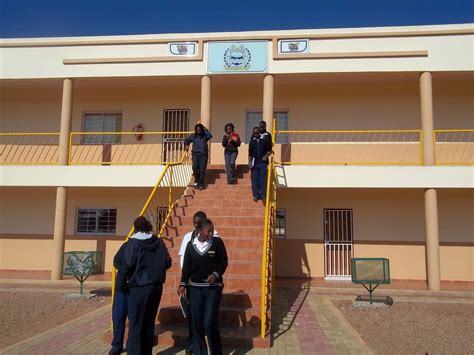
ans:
(57, 18)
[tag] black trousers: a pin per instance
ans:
(119, 318)
(143, 305)
(199, 168)
(230, 158)
(204, 303)
(190, 327)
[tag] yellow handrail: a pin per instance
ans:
(313, 144)
(454, 151)
(169, 167)
(453, 130)
(265, 257)
(124, 133)
(352, 131)
(266, 236)
(29, 148)
(342, 163)
(125, 148)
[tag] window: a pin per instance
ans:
(96, 220)
(338, 225)
(102, 122)
(280, 223)
(254, 118)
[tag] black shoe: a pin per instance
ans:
(200, 187)
(255, 199)
(115, 352)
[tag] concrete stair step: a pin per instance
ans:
(220, 222)
(235, 268)
(176, 335)
(203, 204)
(250, 284)
(230, 336)
(228, 316)
(245, 299)
(219, 194)
(256, 233)
(241, 255)
(253, 210)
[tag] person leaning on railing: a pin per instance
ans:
(200, 152)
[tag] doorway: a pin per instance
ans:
(174, 122)
(338, 244)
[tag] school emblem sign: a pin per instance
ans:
(237, 57)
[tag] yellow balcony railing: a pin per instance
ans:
(29, 148)
(454, 146)
(126, 148)
(349, 147)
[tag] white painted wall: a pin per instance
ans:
(80, 176)
(376, 176)
(288, 176)
(446, 53)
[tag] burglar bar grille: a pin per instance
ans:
(338, 249)
(173, 143)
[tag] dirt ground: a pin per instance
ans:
(24, 314)
(415, 327)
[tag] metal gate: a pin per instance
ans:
(338, 246)
(175, 120)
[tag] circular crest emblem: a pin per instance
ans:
(237, 58)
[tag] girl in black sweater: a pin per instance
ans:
(205, 261)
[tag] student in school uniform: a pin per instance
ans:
(205, 261)
(260, 149)
(144, 263)
(200, 152)
(189, 237)
(263, 131)
(119, 306)
(231, 143)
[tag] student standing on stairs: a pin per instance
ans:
(260, 148)
(189, 237)
(205, 261)
(263, 131)
(144, 263)
(231, 143)
(200, 152)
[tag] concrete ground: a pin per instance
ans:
(304, 320)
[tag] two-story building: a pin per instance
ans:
(374, 140)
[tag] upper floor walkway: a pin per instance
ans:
(293, 147)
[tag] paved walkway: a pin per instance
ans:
(305, 321)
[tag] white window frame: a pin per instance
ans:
(96, 232)
(101, 138)
(281, 236)
(248, 129)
